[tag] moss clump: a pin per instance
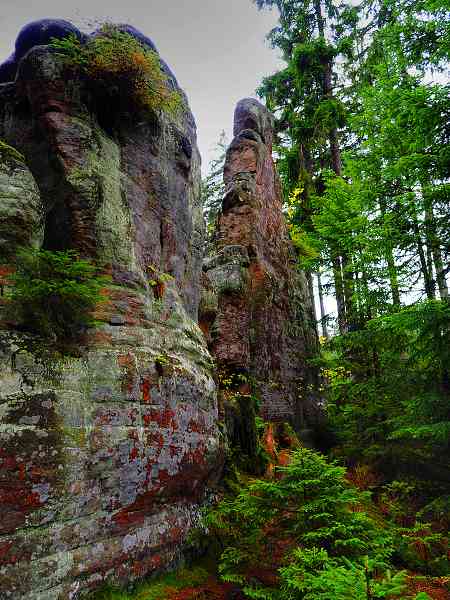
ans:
(123, 69)
(7, 151)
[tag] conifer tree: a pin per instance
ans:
(312, 36)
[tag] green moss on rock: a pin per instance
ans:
(8, 152)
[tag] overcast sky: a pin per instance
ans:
(216, 48)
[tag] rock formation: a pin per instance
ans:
(264, 326)
(105, 458)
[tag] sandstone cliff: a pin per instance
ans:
(105, 458)
(262, 330)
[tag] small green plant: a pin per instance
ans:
(161, 588)
(162, 360)
(122, 67)
(158, 281)
(54, 293)
(314, 575)
(163, 364)
(308, 527)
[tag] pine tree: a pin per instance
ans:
(313, 36)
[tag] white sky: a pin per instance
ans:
(216, 48)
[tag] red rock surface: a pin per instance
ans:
(105, 459)
(265, 322)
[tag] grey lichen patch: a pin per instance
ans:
(99, 180)
(230, 277)
(209, 302)
(240, 190)
(234, 254)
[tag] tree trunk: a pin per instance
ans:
(393, 279)
(429, 257)
(340, 298)
(319, 18)
(323, 316)
(423, 261)
(434, 250)
(309, 279)
(349, 290)
(392, 269)
(343, 277)
(440, 274)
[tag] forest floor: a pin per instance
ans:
(201, 580)
(199, 583)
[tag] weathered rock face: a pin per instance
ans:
(105, 458)
(264, 328)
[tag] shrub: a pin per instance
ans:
(54, 292)
(123, 68)
(280, 527)
(389, 390)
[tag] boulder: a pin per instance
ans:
(8, 69)
(42, 32)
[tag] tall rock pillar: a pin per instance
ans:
(264, 331)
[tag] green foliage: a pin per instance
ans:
(421, 549)
(213, 187)
(54, 293)
(160, 588)
(389, 401)
(317, 520)
(123, 69)
(313, 575)
(362, 131)
(388, 398)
